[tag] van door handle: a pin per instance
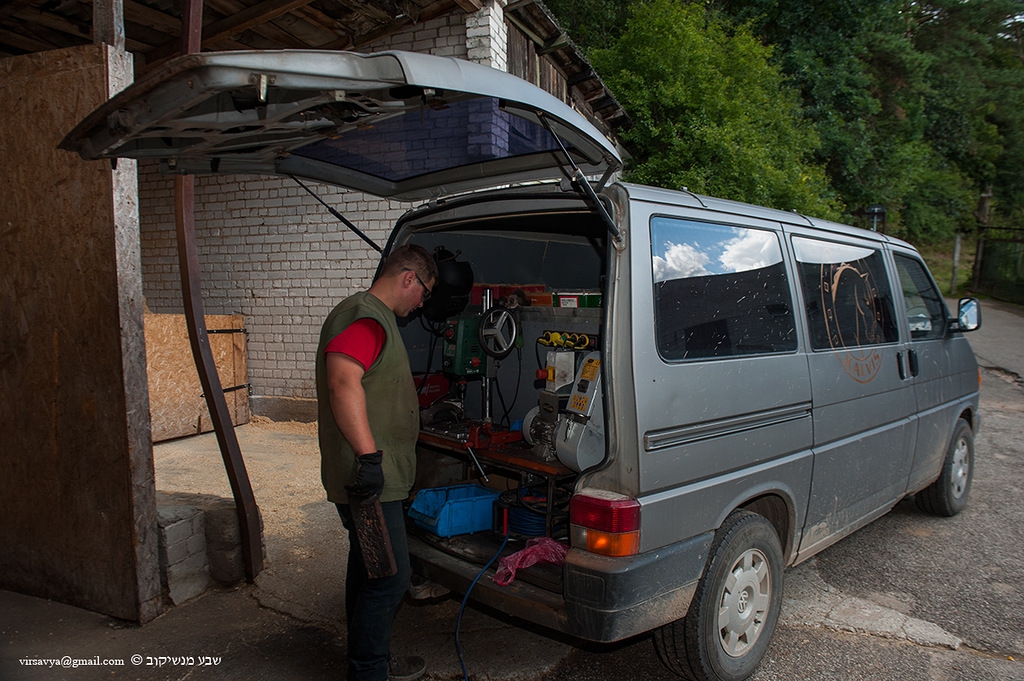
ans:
(899, 363)
(915, 366)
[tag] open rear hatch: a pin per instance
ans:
(395, 124)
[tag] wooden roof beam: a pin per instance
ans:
(144, 15)
(324, 21)
(258, 14)
(23, 41)
(52, 21)
(228, 27)
(9, 8)
(270, 31)
(367, 9)
(380, 32)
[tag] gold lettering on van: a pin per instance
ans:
(853, 318)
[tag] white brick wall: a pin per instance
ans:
(487, 35)
(270, 252)
(444, 36)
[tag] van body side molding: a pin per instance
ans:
(681, 435)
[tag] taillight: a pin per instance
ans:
(608, 524)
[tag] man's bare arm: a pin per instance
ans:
(348, 401)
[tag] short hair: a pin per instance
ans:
(413, 257)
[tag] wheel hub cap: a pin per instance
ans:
(960, 469)
(744, 603)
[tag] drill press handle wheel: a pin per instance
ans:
(498, 332)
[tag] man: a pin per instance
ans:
(368, 425)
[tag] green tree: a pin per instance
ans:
(976, 104)
(592, 23)
(917, 103)
(710, 111)
(861, 84)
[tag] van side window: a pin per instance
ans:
(846, 293)
(720, 291)
(926, 313)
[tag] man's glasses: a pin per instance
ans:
(426, 291)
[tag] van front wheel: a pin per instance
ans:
(947, 496)
(733, 613)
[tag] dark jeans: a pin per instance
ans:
(371, 604)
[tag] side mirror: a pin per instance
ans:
(968, 315)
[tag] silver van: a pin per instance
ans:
(686, 394)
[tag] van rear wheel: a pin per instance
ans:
(947, 496)
(733, 613)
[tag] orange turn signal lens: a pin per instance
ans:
(615, 544)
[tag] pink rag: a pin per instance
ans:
(538, 550)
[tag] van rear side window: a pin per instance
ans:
(846, 293)
(720, 291)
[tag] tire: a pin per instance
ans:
(742, 583)
(947, 496)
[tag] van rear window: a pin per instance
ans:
(847, 295)
(720, 291)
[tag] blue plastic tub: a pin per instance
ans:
(459, 509)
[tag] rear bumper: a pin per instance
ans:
(604, 599)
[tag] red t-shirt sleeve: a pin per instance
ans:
(362, 340)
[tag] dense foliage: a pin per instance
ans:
(826, 108)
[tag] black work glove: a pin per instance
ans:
(369, 475)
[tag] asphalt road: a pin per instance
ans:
(962, 573)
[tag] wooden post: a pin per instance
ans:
(982, 217)
(192, 297)
(956, 264)
(108, 22)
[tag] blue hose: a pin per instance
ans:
(465, 599)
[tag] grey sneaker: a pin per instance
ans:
(424, 590)
(406, 668)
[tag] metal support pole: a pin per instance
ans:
(192, 297)
(192, 26)
(485, 380)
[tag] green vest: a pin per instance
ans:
(391, 404)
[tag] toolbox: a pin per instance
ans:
(459, 509)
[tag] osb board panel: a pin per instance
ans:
(77, 500)
(176, 403)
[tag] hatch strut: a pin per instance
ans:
(338, 215)
(582, 185)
